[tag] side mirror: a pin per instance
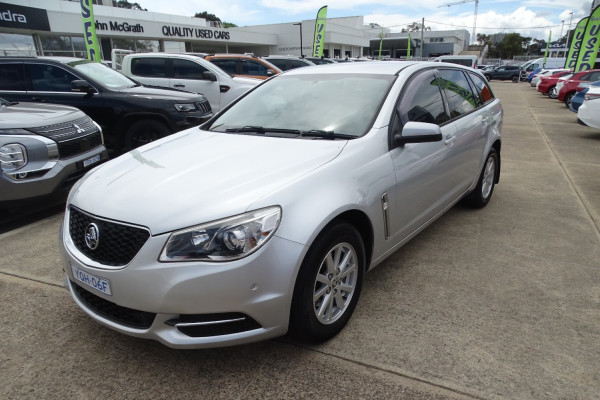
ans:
(209, 76)
(79, 85)
(270, 72)
(418, 132)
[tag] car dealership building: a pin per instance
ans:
(54, 27)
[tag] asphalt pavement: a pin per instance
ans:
(497, 303)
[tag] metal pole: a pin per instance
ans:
(301, 54)
(422, 29)
(568, 32)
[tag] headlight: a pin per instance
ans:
(12, 157)
(224, 240)
(187, 107)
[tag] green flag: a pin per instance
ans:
(547, 46)
(408, 50)
(320, 32)
(576, 44)
(381, 43)
(590, 43)
(89, 31)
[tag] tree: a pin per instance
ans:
(483, 39)
(207, 16)
(415, 27)
(126, 4)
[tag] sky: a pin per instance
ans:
(530, 18)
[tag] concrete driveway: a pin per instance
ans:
(499, 303)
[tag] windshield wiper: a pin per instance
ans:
(262, 130)
(326, 134)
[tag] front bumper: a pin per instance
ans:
(55, 181)
(191, 304)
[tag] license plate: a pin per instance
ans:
(100, 284)
(90, 161)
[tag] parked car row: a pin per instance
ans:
(579, 91)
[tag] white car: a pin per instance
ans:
(265, 219)
(537, 77)
(589, 112)
(189, 73)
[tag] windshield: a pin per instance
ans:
(104, 75)
(344, 104)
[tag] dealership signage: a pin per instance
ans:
(115, 26)
(183, 32)
(13, 16)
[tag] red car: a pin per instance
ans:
(568, 90)
(548, 83)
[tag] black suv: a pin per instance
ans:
(129, 113)
(506, 72)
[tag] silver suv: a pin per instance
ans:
(44, 150)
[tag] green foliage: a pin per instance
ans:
(229, 25)
(207, 16)
(126, 4)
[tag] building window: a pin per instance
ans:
(138, 46)
(16, 45)
(436, 40)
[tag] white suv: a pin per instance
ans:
(187, 72)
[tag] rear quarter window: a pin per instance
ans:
(483, 91)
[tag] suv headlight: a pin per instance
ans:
(224, 240)
(185, 107)
(12, 157)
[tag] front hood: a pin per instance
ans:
(197, 176)
(149, 92)
(33, 115)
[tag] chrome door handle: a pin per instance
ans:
(449, 140)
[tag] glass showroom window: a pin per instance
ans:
(138, 46)
(17, 45)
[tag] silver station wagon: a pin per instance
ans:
(265, 219)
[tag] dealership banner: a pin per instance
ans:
(576, 44)
(547, 46)
(320, 32)
(89, 31)
(590, 43)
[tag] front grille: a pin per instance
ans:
(117, 243)
(79, 145)
(73, 137)
(109, 310)
(204, 107)
(213, 324)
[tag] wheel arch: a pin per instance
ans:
(497, 146)
(129, 119)
(363, 225)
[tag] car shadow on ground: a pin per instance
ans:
(17, 218)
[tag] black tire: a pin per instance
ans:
(552, 92)
(515, 79)
(568, 99)
(142, 132)
(488, 77)
(318, 276)
(482, 193)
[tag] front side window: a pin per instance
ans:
(343, 104)
(458, 92)
(423, 102)
(250, 67)
(185, 69)
(50, 78)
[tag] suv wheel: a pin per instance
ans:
(488, 77)
(515, 78)
(142, 132)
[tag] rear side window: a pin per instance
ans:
(226, 65)
(149, 67)
(185, 69)
(278, 63)
(250, 67)
(50, 78)
(458, 92)
(484, 93)
(12, 77)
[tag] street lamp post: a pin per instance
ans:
(301, 54)
(568, 32)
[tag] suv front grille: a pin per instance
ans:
(73, 137)
(204, 107)
(117, 243)
(122, 315)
